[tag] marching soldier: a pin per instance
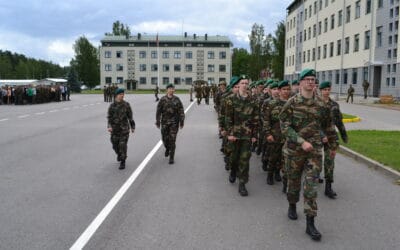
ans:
(169, 117)
(120, 122)
(350, 93)
(365, 87)
(303, 120)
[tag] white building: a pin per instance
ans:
(143, 61)
(347, 42)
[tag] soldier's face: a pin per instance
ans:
(120, 97)
(170, 91)
(243, 84)
(308, 83)
(284, 92)
(325, 92)
(275, 92)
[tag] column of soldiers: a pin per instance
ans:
(109, 93)
(291, 127)
(31, 94)
(204, 91)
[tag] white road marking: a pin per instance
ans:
(5, 119)
(65, 108)
(40, 113)
(23, 116)
(92, 228)
(54, 110)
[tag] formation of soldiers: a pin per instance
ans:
(31, 94)
(205, 91)
(291, 126)
(109, 93)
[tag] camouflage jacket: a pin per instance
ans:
(119, 117)
(222, 110)
(270, 117)
(170, 111)
(305, 119)
(242, 117)
(337, 119)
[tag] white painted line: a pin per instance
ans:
(54, 110)
(65, 108)
(5, 119)
(23, 116)
(97, 103)
(39, 113)
(91, 104)
(92, 228)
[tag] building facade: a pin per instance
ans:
(143, 61)
(347, 42)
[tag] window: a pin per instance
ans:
(319, 53)
(210, 55)
(388, 81)
(348, 13)
(165, 67)
(177, 80)
(339, 47)
(394, 53)
(319, 27)
(177, 54)
(354, 76)
(154, 67)
(107, 54)
(222, 55)
(347, 45)
(391, 13)
(396, 25)
(393, 81)
(211, 80)
(390, 27)
(142, 54)
(366, 39)
(379, 36)
(390, 40)
(165, 80)
(389, 55)
(332, 22)
(210, 68)
(324, 51)
(337, 77)
(154, 80)
(368, 7)
(340, 18)
(189, 55)
(142, 67)
(188, 68)
(388, 68)
(304, 57)
(356, 42)
(165, 54)
(177, 67)
(305, 14)
(314, 30)
(308, 55)
(154, 54)
(120, 79)
(315, 7)
(188, 81)
(305, 35)
(345, 76)
(358, 11)
(142, 80)
(325, 25)
(320, 4)
(119, 54)
(107, 67)
(309, 10)
(380, 3)
(119, 67)
(222, 68)
(313, 54)
(108, 80)
(331, 49)
(365, 73)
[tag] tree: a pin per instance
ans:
(240, 61)
(119, 29)
(260, 51)
(86, 62)
(278, 59)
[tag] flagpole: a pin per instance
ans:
(158, 63)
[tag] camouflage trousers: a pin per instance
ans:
(228, 149)
(239, 159)
(308, 163)
(329, 164)
(275, 157)
(120, 144)
(168, 136)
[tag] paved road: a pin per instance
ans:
(58, 172)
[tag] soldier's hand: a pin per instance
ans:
(158, 124)
(231, 138)
(306, 146)
(109, 130)
(270, 138)
(333, 154)
(133, 130)
(253, 140)
(325, 139)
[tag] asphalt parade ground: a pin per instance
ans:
(59, 175)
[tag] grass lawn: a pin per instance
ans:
(347, 116)
(381, 146)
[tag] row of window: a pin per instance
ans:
(166, 54)
(166, 67)
(315, 54)
(176, 80)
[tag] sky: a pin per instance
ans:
(47, 30)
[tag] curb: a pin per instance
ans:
(346, 120)
(369, 162)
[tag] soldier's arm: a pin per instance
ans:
(266, 118)
(130, 118)
(228, 117)
(158, 112)
(328, 128)
(338, 118)
(256, 120)
(288, 131)
(109, 116)
(181, 114)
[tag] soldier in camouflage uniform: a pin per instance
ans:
(169, 117)
(206, 93)
(329, 159)
(272, 131)
(241, 122)
(303, 120)
(120, 122)
(199, 92)
(295, 87)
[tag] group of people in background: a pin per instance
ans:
(204, 91)
(291, 126)
(31, 94)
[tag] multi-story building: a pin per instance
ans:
(143, 61)
(347, 42)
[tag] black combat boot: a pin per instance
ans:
(122, 164)
(311, 230)
(278, 176)
(232, 176)
(166, 152)
(284, 185)
(270, 178)
(328, 190)
(243, 190)
(292, 214)
(265, 166)
(119, 158)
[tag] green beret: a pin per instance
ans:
(326, 84)
(283, 83)
(260, 82)
(307, 72)
(273, 85)
(268, 82)
(170, 85)
(295, 82)
(119, 91)
(222, 83)
(243, 76)
(234, 80)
